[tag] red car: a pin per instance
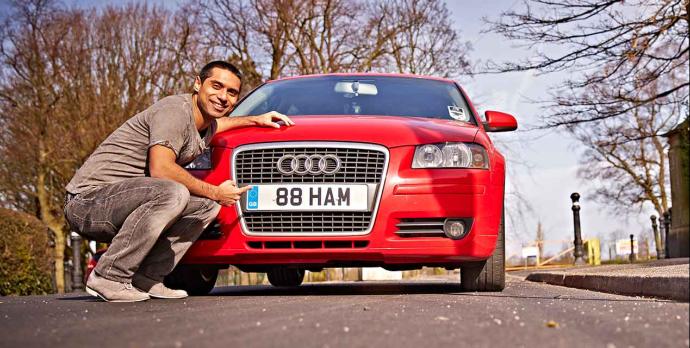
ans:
(393, 171)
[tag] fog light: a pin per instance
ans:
(454, 229)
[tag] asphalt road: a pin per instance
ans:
(428, 313)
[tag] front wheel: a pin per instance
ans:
(197, 280)
(489, 275)
(285, 276)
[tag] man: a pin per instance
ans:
(134, 193)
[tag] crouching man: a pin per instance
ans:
(134, 193)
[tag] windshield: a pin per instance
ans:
(358, 95)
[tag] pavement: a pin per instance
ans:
(665, 279)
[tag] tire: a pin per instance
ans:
(285, 276)
(197, 280)
(489, 275)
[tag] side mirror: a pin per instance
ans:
(497, 121)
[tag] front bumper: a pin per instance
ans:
(407, 193)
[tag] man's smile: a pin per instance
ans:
(218, 106)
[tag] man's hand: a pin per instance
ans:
(269, 120)
(228, 193)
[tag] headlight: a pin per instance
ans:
(450, 155)
(202, 162)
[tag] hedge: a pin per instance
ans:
(26, 261)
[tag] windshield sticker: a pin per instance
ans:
(457, 113)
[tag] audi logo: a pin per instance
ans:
(309, 164)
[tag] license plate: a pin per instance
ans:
(308, 197)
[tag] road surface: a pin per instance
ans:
(420, 313)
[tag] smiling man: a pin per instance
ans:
(134, 193)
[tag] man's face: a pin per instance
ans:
(218, 93)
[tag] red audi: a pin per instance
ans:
(380, 170)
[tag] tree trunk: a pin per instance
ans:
(55, 224)
(57, 228)
(59, 260)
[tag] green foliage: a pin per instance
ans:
(25, 255)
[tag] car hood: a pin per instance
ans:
(389, 131)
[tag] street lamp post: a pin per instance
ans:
(657, 238)
(579, 250)
(667, 226)
(632, 248)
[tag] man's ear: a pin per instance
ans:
(197, 84)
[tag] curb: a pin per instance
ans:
(671, 288)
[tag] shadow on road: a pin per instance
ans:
(82, 297)
(340, 289)
(397, 288)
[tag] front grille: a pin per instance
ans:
(307, 222)
(361, 164)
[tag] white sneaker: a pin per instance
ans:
(112, 291)
(156, 289)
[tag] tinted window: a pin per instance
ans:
(358, 95)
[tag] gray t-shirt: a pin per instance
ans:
(168, 122)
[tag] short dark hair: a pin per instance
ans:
(220, 64)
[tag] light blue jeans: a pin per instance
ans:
(150, 224)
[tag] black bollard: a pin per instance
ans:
(657, 238)
(77, 275)
(632, 248)
(667, 227)
(579, 250)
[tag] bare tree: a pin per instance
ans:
(30, 96)
(423, 40)
(69, 78)
(629, 157)
(269, 39)
(620, 46)
(241, 28)
(627, 84)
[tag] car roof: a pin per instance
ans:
(364, 75)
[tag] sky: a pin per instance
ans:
(543, 164)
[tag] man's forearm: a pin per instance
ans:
(269, 119)
(226, 123)
(195, 186)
